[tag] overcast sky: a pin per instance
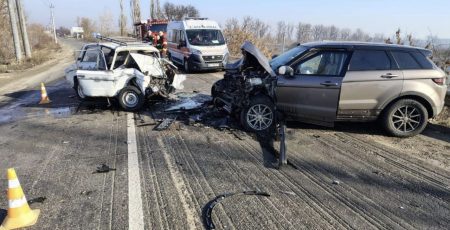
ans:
(419, 17)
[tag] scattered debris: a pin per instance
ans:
(401, 207)
(207, 210)
(66, 142)
(104, 169)
(40, 199)
(316, 136)
(336, 182)
(87, 193)
(165, 124)
(376, 172)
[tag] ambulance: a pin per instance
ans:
(197, 44)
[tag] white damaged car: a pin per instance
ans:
(129, 72)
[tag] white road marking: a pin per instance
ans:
(135, 212)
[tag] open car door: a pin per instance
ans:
(95, 79)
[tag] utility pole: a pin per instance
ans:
(14, 29)
(23, 28)
(53, 22)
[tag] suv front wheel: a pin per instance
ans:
(405, 118)
(259, 115)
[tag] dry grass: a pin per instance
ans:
(42, 45)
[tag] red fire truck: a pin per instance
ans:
(156, 26)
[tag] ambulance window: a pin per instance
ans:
(182, 38)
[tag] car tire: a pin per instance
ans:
(187, 67)
(259, 115)
(405, 118)
(79, 91)
(131, 98)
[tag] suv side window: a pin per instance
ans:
(370, 60)
(325, 63)
(405, 60)
(424, 62)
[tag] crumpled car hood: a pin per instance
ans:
(147, 64)
(263, 61)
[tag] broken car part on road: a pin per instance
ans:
(207, 210)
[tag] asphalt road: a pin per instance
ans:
(348, 177)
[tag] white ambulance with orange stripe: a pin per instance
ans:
(197, 44)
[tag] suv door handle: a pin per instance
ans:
(329, 83)
(389, 75)
(81, 76)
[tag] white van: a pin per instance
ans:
(197, 44)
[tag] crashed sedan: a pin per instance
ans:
(128, 72)
(325, 82)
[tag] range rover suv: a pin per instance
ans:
(326, 82)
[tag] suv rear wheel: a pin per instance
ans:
(405, 118)
(259, 115)
(131, 98)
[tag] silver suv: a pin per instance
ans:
(325, 82)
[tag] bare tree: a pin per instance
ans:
(344, 34)
(105, 25)
(135, 6)
(122, 19)
(303, 32)
(318, 32)
(178, 12)
(333, 33)
(88, 26)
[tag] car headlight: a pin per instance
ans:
(194, 51)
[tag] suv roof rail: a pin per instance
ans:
(103, 38)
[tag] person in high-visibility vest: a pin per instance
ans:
(161, 44)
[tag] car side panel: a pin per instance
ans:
(363, 93)
(419, 83)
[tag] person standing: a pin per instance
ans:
(150, 38)
(161, 44)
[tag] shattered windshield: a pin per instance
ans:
(287, 56)
(205, 37)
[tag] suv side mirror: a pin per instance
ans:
(274, 56)
(286, 71)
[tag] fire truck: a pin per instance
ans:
(154, 25)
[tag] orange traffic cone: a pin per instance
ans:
(19, 213)
(44, 96)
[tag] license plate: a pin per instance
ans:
(214, 65)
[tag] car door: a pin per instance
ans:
(95, 80)
(311, 95)
(372, 80)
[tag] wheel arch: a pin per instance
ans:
(420, 98)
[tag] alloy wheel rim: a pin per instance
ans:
(130, 99)
(259, 117)
(406, 119)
